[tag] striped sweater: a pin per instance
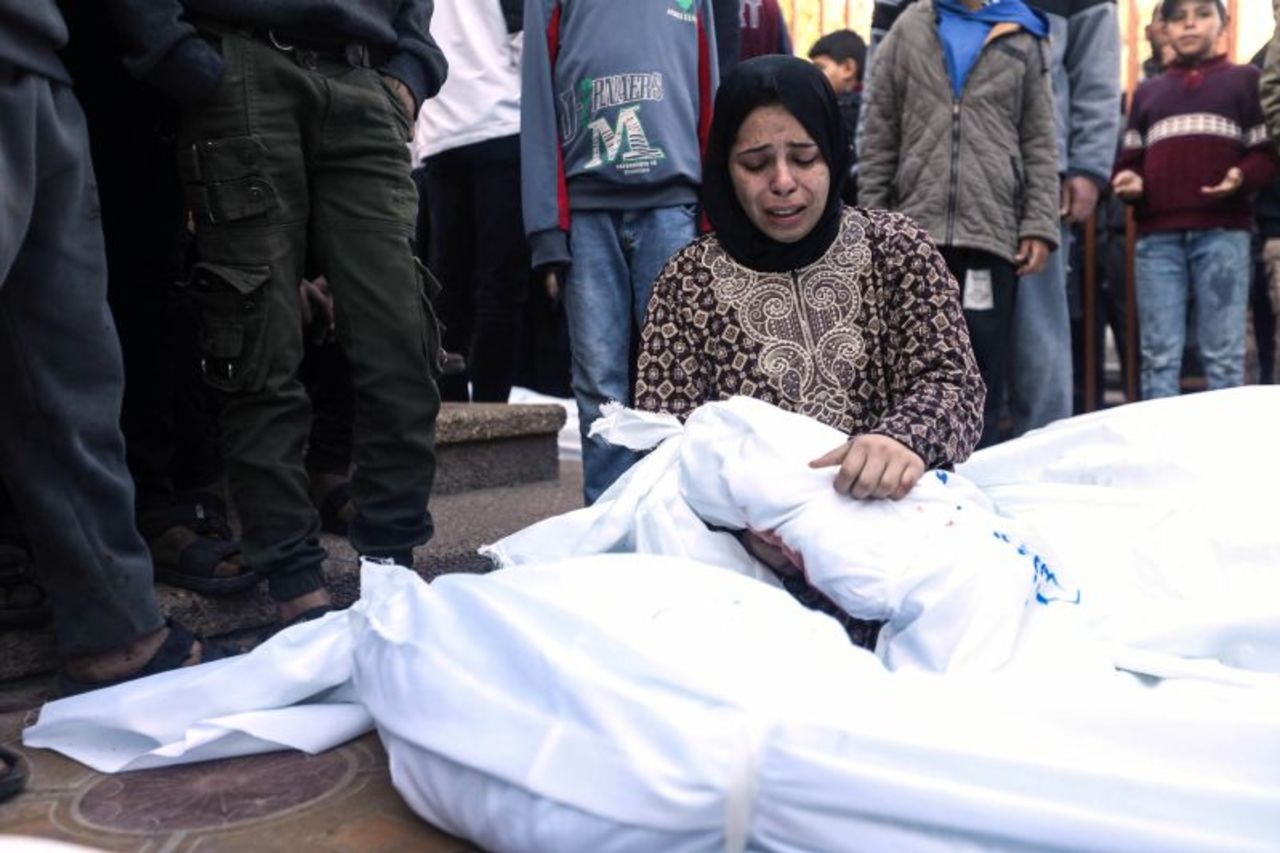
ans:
(1187, 128)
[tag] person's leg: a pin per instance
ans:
(1160, 273)
(1271, 260)
(61, 378)
(1220, 275)
(1264, 321)
(501, 268)
(454, 210)
(241, 154)
(1040, 346)
(652, 237)
(171, 445)
(365, 203)
(598, 305)
(327, 376)
(988, 289)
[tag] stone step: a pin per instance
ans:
(464, 521)
(485, 445)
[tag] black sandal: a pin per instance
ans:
(14, 777)
(196, 562)
(23, 601)
(171, 655)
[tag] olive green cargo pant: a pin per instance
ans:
(299, 160)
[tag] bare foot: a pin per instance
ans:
(123, 662)
(295, 607)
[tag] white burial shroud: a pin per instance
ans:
(646, 702)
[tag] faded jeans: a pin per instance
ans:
(616, 256)
(1040, 346)
(1216, 264)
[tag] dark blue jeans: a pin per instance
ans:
(616, 256)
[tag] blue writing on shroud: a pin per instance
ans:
(1048, 587)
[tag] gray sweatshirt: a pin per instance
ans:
(30, 32)
(615, 104)
(166, 51)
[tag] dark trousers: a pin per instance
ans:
(990, 323)
(169, 417)
(326, 374)
(61, 380)
(300, 156)
(478, 250)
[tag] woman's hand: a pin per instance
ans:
(873, 466)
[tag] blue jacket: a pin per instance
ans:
(963, 32)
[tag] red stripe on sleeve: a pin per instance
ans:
(704, 106)
(562, 188)
(704, 87)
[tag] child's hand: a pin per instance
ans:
(552, 284)
(1032, 256)
(1127, 185)
(1230, 184)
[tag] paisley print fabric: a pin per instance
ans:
(870, 338)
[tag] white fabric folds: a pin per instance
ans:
(665, 699)
(628, 702)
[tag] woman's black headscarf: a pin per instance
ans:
(802, 89)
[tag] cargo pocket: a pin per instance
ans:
(231, 310)
(224, 181)
(432, 329)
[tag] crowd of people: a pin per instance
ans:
(313, 220)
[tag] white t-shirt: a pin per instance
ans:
(480, 100)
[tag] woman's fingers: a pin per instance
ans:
(891, 481)
(910, 476)
(872, 472)
(855, 458)
(832, 457)
(873, 466)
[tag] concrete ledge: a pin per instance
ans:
(487, 445)
(464, 522)
(463, 422)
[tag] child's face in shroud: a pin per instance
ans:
(1194, 27)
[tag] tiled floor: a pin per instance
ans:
(341, 800)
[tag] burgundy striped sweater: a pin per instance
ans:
(1186, 129)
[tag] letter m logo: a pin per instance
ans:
(608, 142)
